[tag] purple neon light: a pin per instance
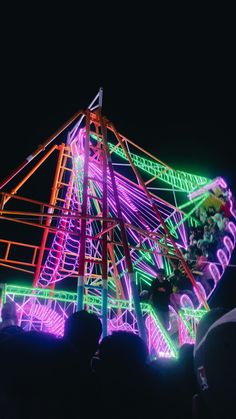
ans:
(63, 243)
(228, 244)
(114, 326)
(185, 336)
(157, 340)
(232, 229)
(222, 258)
(232, 208)
(215, 273)
(202, 290)
(136, 211)
(186, 302)
(221, 182)
(119, 322)
(52, 321)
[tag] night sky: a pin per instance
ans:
(168, 80)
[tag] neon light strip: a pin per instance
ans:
(178, 179)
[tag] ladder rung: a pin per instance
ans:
(67, 155)
(63, 184)
(61, 199)
(99, 262)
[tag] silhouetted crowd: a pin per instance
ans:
(84, 376)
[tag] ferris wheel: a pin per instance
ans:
(115, 214)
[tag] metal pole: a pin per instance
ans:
(104, 224)
(81, 272)
(38, 150)
(129, 264)
(91, 107)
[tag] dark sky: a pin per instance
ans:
(168, 79)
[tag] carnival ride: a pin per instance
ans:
(116, 213)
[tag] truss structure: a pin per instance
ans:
(115, 214)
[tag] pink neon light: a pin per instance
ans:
(121, 323)
(184, 335)
(222, 183)
(228, 244)
(232, 228)
(215, 273)
(222, 258)
(157, 341)
(137, 211)
(52, 321)
(202, 290)
(232, 210)
(185, 301)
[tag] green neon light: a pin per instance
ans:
(191, 202)
(167, 266)
(70, 297)
(65, 296)
(138, 260)
(140, 276)
(99, 194)
(171, 228)
(187, 325)
(112, 285)
(196, 313)
(146, 255)
(90, 300)
(190, 178)
(3, 294)
(176, 178)
(79, 179)
(187, 216)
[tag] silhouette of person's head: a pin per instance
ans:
(40, 363)
(207, 320)
(123, 350)
(177, 273)
(83, 330)
(186, 352)
(9, 312)
(9, 331)
(161, 275)
(126, 376)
